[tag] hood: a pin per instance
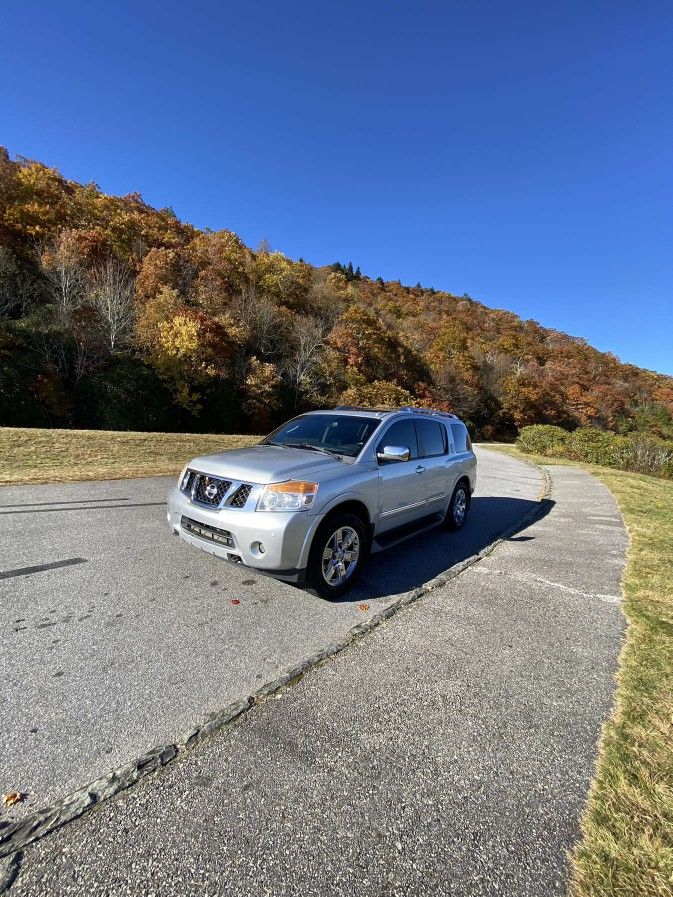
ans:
(266, 464)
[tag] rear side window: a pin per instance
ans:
(402, 432)
(461, 440)
(432, 438)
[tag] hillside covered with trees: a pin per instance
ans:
(116, 315)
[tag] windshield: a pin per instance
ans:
(339, 434)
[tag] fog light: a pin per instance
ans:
(258, 549)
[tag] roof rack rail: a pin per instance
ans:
(407, 409)
(364, 408)
(432, 411)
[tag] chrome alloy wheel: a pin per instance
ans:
(459, 506)
(340, 557)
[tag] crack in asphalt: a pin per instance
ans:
(40, 568)
(33, 510)
(529, 577)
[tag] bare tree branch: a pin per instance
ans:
(65, 275)
(111, 296)
(309, 334)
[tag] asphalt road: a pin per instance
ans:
(448, 752)
(117, 637)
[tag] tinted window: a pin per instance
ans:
(402, 432)
(460, 437)
(432, 436)
(340, 433)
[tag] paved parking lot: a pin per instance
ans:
(117, 637)
(447, 752)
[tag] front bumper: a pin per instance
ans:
(286, 537)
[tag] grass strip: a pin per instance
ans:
(32, 455)
(626, 848)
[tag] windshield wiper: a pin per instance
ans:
(313, 448)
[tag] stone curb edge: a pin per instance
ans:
(40, 823)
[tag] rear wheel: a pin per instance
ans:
(337, 555)
(459, 507)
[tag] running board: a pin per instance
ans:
(400, 533)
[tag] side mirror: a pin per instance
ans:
(394, 453)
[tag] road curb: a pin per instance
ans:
(38, 824)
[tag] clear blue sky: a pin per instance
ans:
(517, 151)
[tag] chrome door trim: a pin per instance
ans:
(416, 504)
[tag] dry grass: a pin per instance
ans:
(55, 456)
(626, 848)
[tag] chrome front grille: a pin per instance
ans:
(211, 491)
(241, 495)
(208, 490)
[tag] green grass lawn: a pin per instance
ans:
(54, 456)
(626, 848)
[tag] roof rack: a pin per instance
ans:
(364, 408)
(408, 409)
(411, 410)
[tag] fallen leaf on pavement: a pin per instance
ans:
(363, 607)
(11, 798)
(235, 601)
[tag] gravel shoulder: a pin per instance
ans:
(449, 751)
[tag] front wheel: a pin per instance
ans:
(337, 555)
(459, 506)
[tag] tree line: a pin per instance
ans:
(116, 315)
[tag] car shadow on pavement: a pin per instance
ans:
(421, 558)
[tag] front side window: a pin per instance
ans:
(433, 438)
(338, 433)
(402, 432)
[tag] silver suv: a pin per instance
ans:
(309, 502)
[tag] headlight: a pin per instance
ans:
(293, 496)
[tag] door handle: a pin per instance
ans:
(420, 469)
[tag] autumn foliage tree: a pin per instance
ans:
(261, 394)
(189, 350)
(113, 313)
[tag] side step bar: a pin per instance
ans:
(400, 533)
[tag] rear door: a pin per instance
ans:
(402, 489)
(433, 445)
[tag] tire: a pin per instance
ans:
(336, 535)
(459, 507)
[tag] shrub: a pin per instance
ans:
(647, 454)
(596, 447)
(543, 439)
(638, 452)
